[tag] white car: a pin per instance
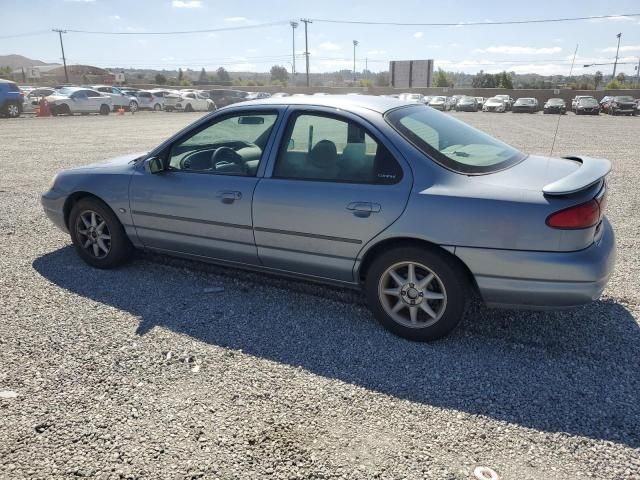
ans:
(189, 101)
(70, 100)
(576, 99)
(494, 104)
(34, 96)
(149, 100)
(118, 97)
(412, 97)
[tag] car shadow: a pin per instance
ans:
(574, 371)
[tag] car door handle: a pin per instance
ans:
(363, 209)
(229, 196)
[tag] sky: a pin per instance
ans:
(533, 48)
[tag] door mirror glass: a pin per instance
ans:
(153, 165)
(250, 120)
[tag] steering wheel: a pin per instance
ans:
(227, 155)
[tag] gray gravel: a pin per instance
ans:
(171, 369)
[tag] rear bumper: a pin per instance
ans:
(53, 204)
(542, 280)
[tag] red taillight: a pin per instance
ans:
(584, 215)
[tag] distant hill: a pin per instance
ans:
(17, 61)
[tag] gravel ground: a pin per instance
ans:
(171, 369)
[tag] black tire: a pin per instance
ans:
(12, 110)
(64, 109)
(188, 108)
(211, 107)
(133, 106)
(104, 109)
(449, 276)
(119, 246)
(157, 107)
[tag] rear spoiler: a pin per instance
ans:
(590, 172)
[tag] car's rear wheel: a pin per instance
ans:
(188, 108)
(157, 107)
(12, 110)
(104, 109)
(211, 107)
(64, 109)
(98, 235)
(419, 294)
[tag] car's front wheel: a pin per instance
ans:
(133, 106)
(98, 235)
(12, 110)
(419, 294)
(104, 109)
(157, 107)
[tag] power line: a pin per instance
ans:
(470, 24)
(185, 32)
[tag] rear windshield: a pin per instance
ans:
(452, 143)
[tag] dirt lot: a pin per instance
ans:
(151, 371)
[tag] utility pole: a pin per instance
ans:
(355, 44)
(64, 60)
(366, 68)
(638, 74)
(615, 64)
(294, 25)
(306, 44)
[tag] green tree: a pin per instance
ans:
(223, 77)
(614, 85)
(504, 80)
(621, 77)
(382, 79)
(180, 75)
(441, 79)
(160, 79)
(597, 79)
(484, 80)
(280, 74)
(203, 75)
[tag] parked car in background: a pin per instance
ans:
(480, 101)
(257, 95)
(412, 97)
(118, 98)
(440, 102)
(426, 99)
(555, 105)
(494, 104)
(11, 99)
(32, 99)
(467, 104)
(280, 95)
(70, 100)
(576, 99)
(223, 97)
(508, 101)
(253, 187)
(525, 105)
(587, 106)
(149, 101)
(188, 101)
(621, 105)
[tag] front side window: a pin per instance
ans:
(231, 146)
(325, 148)
(452, 143)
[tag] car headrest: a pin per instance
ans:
(354, 154)
(324, 154)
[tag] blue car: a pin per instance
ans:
(409, 205)
(11, 98)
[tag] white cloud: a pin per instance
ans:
(376, 52)
(418, 35)
(186, 3)
(625, 48)
(236, 19)
(511, 50)
(329, 46)
(114, 17)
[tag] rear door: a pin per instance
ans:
(201, 205)
(332, 185)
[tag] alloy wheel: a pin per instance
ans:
(13, 110)
(93, 234)
(412, 294)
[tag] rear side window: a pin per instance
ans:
(326, 148)
(13, 87)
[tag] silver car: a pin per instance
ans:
(412, 206)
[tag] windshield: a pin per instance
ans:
(452, 143)
(555, 101)
(588, 101)
(623, 99)
(494, 101)
(438, 99)
(522, 101)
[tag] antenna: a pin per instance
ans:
(560, 116)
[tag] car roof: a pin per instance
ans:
(377, 104)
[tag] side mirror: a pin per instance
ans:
(153, 165)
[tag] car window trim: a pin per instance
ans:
(165, 151)
(289, 124)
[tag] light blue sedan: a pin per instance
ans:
(410, 205)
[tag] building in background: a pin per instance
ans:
(54, 74)
(411, 73)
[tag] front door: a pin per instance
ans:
(333, 188)
(201, 203)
